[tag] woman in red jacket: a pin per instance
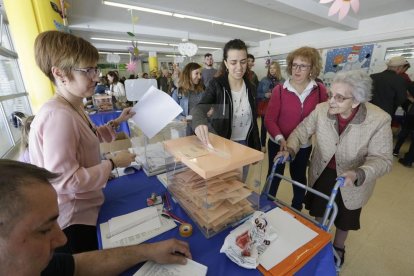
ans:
(289, 104)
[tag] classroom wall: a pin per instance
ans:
(384, 31)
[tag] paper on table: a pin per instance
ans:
(136, 238)
(191, 268)
(292, 235)
(154, 111)
(139, 221)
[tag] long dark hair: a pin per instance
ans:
(235, 44)
(185, 83)
(114, 75)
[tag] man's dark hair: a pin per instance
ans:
(207, 55)
(15, 176)
(251, 56)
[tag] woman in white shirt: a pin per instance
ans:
(117, 89)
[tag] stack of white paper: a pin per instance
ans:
(191, 268)
(140, 221)
(292, 235)
(134, 228)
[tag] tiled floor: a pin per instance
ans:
(385, 243)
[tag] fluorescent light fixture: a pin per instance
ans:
(240, 26)
(211, 48)
(117, 53)
(132, 7)
(197, 18)
(111, 39)
(129, 41)
(174, 56)
(184, 16)
(270, 32)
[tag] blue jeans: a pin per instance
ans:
(297, 170)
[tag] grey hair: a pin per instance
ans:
(359, 81)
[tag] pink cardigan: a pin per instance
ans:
(62, 142)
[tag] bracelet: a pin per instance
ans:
(113, 164)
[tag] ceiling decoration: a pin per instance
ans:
(341, 7)
(187, 48)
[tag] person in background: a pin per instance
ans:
(131, 77)
(251, 74)
(232, 96)
(24, 156)
(189, 92)
(353, 140)
(407, 129)
(389, 88)
(208, 71)
(116, 89)
(289, 104)
(404, 73)
(102, 86)
(145, 76)
(264, 91)
(29, 232)
(64, 140)
(163, 81)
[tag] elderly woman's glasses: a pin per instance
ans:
(91, 72)
(301, 67)
(338, 98)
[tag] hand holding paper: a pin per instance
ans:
(202, 133)
(154, 111)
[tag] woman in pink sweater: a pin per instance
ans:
(63, 139)
(289, 104)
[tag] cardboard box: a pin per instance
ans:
(116, 145)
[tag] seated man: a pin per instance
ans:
(29, 232)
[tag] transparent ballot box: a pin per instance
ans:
(150, 152)
(218, 186)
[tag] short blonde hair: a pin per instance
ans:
(62, 50)
(309, 54)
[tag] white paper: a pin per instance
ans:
(190, 269)
(154, 111)
(136, 238)
(140, 221)
(292, 235)
(135, 89)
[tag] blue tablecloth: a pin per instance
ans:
(129, 193)
(101, 118)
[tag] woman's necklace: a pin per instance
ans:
(79, 112)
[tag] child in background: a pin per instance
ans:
(24, 156)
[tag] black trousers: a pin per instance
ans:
(297, 170)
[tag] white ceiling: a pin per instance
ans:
(90, 18)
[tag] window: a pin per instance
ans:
(13, 95)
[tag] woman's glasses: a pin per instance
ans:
(338, 98)
(301, 67)
(91, 72)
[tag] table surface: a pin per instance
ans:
(129, 193)
(101, 118)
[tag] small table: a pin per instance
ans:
(129, 193)
(101, 118)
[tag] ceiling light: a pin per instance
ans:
(132, 7)
(270, 32)
(111, 39)
(116, 53)
(197, 18)
(184, 16)
(240, 26)
(212, 48)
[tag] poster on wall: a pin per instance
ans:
(355, 57)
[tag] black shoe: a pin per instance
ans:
(339, 250)
(404, 163)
